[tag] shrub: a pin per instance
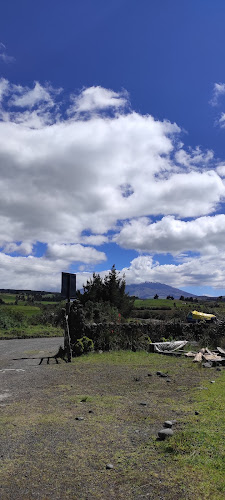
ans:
(78, 347)
(88, 344)
(83, 346)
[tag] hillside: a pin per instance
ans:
(147, 290)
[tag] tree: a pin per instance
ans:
(156, 296)
(111, 290)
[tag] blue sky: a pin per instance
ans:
(112, 127)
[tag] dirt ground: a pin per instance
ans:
(61, 425)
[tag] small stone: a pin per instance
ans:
(143, 403)
(169, 380)
(212, 381)
(149, 374)
(164, 433)
(168, 423)
(161, 374)
(207, 364)
(196, 412)
(219, 369)
(79, 418)
(90, 411)
(109, 466)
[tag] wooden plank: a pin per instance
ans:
(212, 357)
(198, 357)
(220, 350)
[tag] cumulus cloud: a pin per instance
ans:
(169, 235)
(69, 181)
(203, 271)
(194, 157)
(75, 253)
(24, 248)
(25, 97)
(45, 274)
(96, 99)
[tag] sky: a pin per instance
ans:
(112, 133)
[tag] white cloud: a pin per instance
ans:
(221, 120)
(203, 271)
(24, 248)
(218, 90)
(97, 98)
(221, 170)
(75, 253)
(4, 56)
(24, 97)
(61, 178)
(45, 274)
(3, 88)
(194, 158)
(169, 235)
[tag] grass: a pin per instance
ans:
(8, 297)
(48, 453)
(27, 310)
(148, 303)
(31, 331)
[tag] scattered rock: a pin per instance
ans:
(169, 380)
(109, 466)
(149, 374)
(219, 369)
(79, 418)
(164, 433)
(143, 403)
(168, 423)
(212, 381)
(207, 365)
(161, 374)
(90, 411)
(196, 412)
(137, 379)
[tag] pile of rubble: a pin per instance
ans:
(207, 357)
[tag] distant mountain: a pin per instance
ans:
(147, 290)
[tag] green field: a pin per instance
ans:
(25, 319)
(148, 303)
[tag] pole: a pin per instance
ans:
(67, 340)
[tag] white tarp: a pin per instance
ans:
(169, 346)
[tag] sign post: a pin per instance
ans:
(68, 290)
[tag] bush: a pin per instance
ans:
(78, 347)
(88, 344)
(83, 346)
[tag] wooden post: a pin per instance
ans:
(68, 290)
(67, 340)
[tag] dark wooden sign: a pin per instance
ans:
(68, 288)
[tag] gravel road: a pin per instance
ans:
(19, 366)
(12, 350)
